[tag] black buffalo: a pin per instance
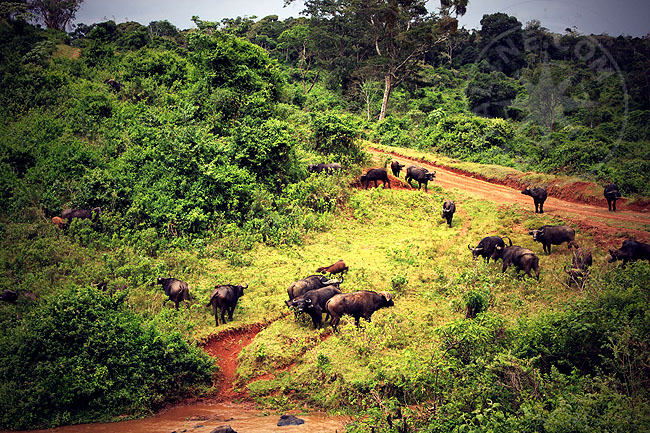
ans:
(396, 167)
(324, 168)
(539, 197)
(523, 259)
(69, 214)
(487, 246)
(375, 174)
(611, 194)
(448, 209)
(312, 282)
(114, 84)
(8, 295)
(313, 303)
(176, 290)
(630, 250)
(419, 174)
(357, 304)
(554, 235)
(225, 297)
(582, 260)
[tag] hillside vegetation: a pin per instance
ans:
(198, 158)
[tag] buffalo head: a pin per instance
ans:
(387, 298)
(537, 234)
(475, 251)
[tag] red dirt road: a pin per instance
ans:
(608, 228)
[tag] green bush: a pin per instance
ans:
(476, 301)
(337, 135)
(81, 356)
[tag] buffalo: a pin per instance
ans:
(8, 295)
(611, 195)
(539, 197)
(312, 282)
(324, 168)
(357, 304)
(579, 271)
(225, 297)
(419, 174)
(375, 174)
(630, 250)
(176, 290)
(523, 259)
(313, 303)
(396, 167)
(69, 214)
(487, 246)
(554, 235)
(336, 268)
(448, 209)
(114, 84)
(59, 222)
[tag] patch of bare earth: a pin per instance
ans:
(225, 347)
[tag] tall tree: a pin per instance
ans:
(397, 31)
(56, 14)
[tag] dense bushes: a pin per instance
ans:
(82, 356)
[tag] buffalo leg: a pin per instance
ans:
(335, 322)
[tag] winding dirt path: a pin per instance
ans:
(608, 228)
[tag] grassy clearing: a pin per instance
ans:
(393, 241)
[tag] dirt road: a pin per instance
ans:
(608, 228)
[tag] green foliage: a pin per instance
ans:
(82, 356)
(490, 94)
(468, 137)
(476, 301)
(337, 135)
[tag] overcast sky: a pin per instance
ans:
(629, 17)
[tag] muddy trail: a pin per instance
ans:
(225, 348)
(609, 229)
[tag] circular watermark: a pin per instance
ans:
(563, 75)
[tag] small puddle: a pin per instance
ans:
(205, 417)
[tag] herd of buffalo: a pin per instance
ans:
(321, 293)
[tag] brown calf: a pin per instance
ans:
(335, 268)
(59, 222)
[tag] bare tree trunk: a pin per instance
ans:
(387, 89)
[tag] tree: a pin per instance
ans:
(490, 94)
(298, 39)
(401, 35)
(391, 35)
(56, 14)
(502, 43)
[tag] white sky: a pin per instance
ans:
(630, 17)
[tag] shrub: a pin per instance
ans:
(81, 356)
(337, 135)
(476, 301)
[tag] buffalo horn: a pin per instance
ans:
(386, 295)
(470, 247)
(244, 286)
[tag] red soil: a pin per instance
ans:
(225, 347)
(608, 228)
